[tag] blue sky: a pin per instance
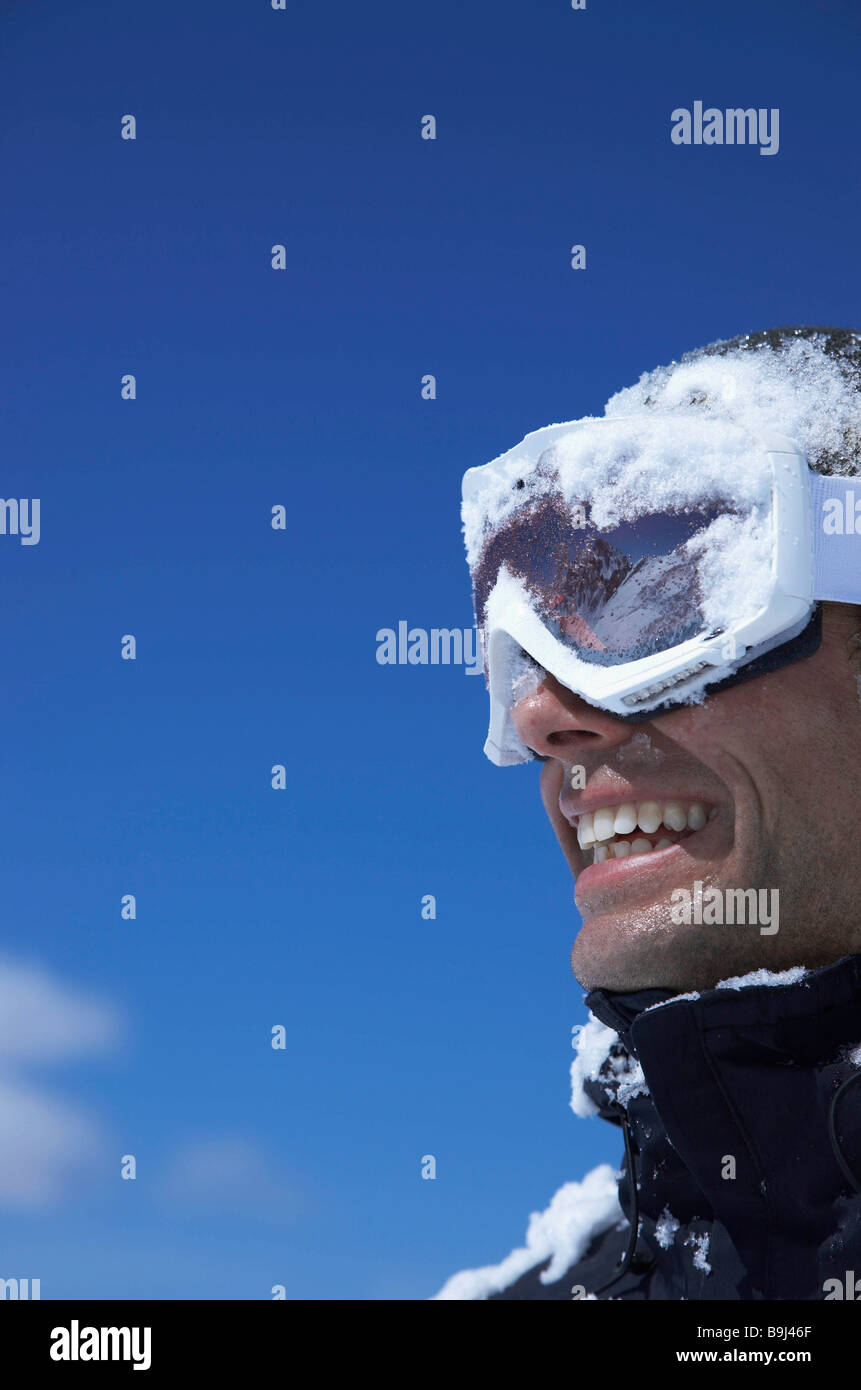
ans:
(301, 907)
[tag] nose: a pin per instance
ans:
(556, 723)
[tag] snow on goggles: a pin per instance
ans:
(645, 563)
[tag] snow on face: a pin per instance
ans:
(638, 751)
(617, 473)
(684, 437)
(798, 391)
(734, 565)
(621, 470)
(663, 454)
(629, 467)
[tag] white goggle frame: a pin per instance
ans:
(802, 570)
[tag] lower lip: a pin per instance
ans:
(612, 870)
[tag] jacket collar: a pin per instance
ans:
(749, 1075)
(826, 1000)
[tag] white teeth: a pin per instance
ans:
(585, 831)
(599, 826)
(602, 852)
(604, 822)
(649, 816)
(626, 818)
(675, 816)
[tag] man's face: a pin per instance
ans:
(774, 762)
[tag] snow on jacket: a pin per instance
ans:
(742, 1125)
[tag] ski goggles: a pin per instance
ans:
(646, 563)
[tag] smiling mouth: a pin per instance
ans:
(638, 828)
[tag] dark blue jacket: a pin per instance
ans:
(743, 1159)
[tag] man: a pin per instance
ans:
(667, 598)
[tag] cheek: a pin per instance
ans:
(552, 774)
(746, 719)
(758, 738)
(552, 777)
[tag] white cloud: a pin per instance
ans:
(230, 1173)
(43, 1139)
(43, 1020)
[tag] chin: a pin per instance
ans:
(616, 966)
(649, 951)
